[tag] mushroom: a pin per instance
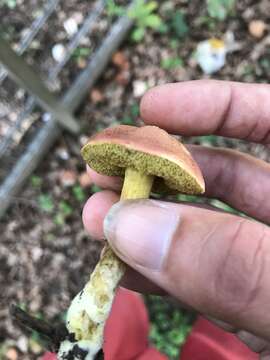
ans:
(149, 159)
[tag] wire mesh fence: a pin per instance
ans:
(51, 53)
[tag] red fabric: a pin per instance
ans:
(126, 336)
(126, 331)
(209, 342)
(49, 356)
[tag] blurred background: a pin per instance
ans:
(96, 73)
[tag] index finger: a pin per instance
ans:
(203, 107)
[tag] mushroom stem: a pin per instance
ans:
(90, 309)
(136, 185)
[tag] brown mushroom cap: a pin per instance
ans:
(149, 150)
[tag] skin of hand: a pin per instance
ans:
(214, 262)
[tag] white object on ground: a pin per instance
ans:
(139, 88)
(58, 52)
(71, 26)
(211, 55)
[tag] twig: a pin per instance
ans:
(55, 334)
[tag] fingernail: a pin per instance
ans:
(141, 231)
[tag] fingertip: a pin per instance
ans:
(176, 107)
(148, 105)
(103, 181)
(95, 210)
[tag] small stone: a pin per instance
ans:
(71, 26)
(119, 59)
(68, 178)
(62, 153)
(123, 77)
(58, 52)
(139, 88)
(12, 260)
(46, 117)
(13, 116)
(83, 139)
(36, 253)
(25, 33)
(96, 96)
(35, 347)
(20, 94)
(22, 344)
(81, 63)
(85, 180)
(257, 28)
(85, 41)
(12, 354)
(35, 45)
(78, 17)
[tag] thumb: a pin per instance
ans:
(215, 262)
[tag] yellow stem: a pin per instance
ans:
(136, 185)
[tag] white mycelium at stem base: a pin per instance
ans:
(90, 309)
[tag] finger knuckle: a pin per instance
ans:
(240, 270)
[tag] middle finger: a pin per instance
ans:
(238, 179)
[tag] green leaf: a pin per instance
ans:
(65, 208)
(210, 140)
(78, 193)
(81, 52)
(188, 198)
(59, 219)
(171, 63)
(220, 9)
(113, 9)
(150, 7)
(135, 110)
(36, 181)
(174, 43)
(179, 25)
(46, 203)
(143, 14)
(153, 21)
(127, 121)
(95, 188)
(265, 63)
(9, 3)
(163, 28)
(169, 326)
(138, 34)
(223, 206)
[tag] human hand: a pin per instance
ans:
(215, 262)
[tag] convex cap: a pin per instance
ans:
(149, 150)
